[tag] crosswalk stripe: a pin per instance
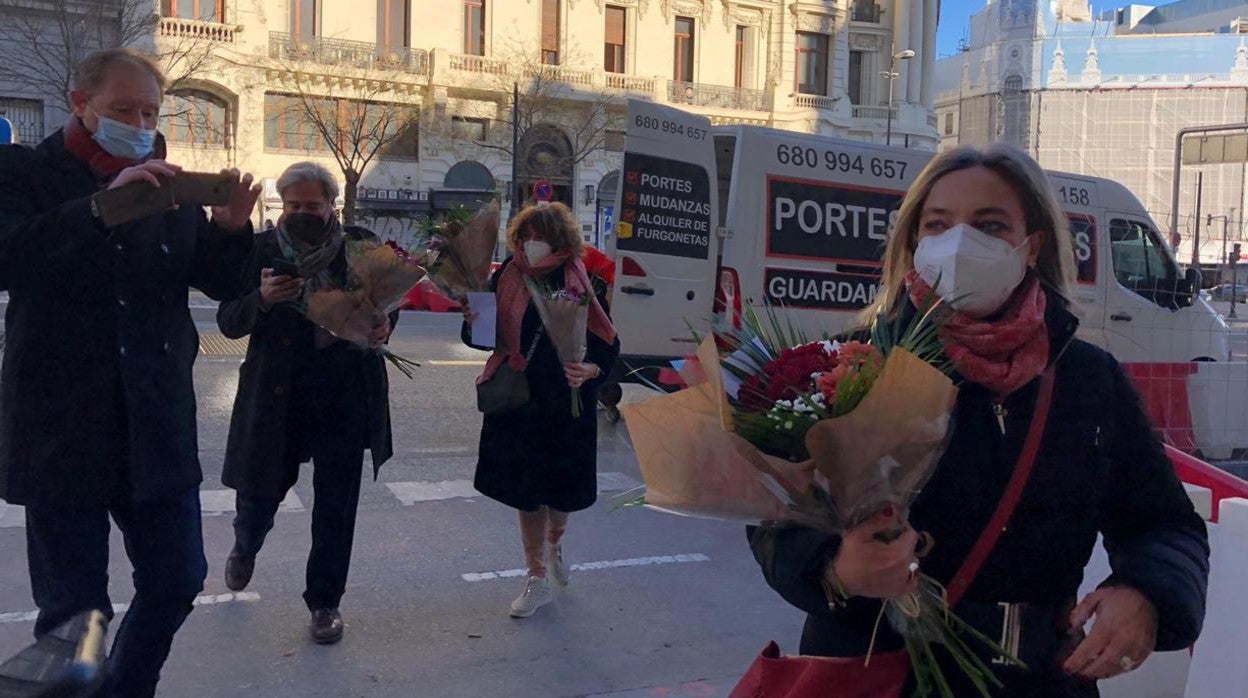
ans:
(221, 502)
(119, 608)
(593, 566)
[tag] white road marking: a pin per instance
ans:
(12, 515)
(206, 600)
(220, 502)
(591, 566)
(409, 493)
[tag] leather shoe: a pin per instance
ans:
(238, 571)
(327, 626)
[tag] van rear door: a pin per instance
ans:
(1084, 210)
(665, 244)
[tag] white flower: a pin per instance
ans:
(788, 425)
(830, 347)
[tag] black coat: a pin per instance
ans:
(260, 460)
(96, 397)
(539, 455)
(1100, 469)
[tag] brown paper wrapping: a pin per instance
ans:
(466, 258)
(693, 463)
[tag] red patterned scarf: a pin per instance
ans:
(1004, 354)
(513, 303)
(105, 167)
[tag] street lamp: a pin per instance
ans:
(891, 74)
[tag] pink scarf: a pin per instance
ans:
(1002, 355)
(513, 303)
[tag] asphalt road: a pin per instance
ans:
(664, 607)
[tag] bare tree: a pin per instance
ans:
(370, 123)
(539, 96)
(42, 43)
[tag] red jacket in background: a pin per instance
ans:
(599, 265)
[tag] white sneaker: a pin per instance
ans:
(536, 594)
(555, 566)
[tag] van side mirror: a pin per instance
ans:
(1189, 288)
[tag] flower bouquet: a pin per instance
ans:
(565, 315)
(378, 277)
(782, 430)
(460, 251)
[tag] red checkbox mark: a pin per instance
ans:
(629, 214)
(633, 177)
(630, 197)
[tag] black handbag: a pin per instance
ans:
(507, 389)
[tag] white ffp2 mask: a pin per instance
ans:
(536, 250)
(973, 271)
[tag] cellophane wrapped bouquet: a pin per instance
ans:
(379, 275)
(777, 429)
(460, 250)
(565, 315)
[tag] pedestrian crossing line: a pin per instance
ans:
(118, 608)
(410, 493)
(594, 566)
(221, 502)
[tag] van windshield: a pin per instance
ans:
(1141, 265)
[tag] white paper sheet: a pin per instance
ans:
(484, 328)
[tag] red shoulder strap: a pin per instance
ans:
(1013, 492)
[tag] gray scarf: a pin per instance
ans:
(313, 260)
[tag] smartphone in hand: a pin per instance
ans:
(285, 267)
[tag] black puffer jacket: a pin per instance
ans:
(1100, 470)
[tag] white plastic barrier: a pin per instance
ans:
(1219, 669)
(1165, 674)
(1218, 397)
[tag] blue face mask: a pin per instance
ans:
(123, 140)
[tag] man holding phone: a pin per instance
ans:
(97, 406)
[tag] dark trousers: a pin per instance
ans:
(68, 551)
(336, 496)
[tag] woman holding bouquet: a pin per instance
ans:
(539, 458)
(983, 230)
(303, 394)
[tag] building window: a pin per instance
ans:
(1013, 84)
(949, 124)
(27, 118)
(474, 27)
(203, 10)
(287, 127)
(393, 32)
(812, 63)
(614, 60)
(194, 118)
(305, 19)
(854, 78)
(613, 141)
(683, 70)
(404, 135)
(466, 129)
(867, 11)
(550, 32)
(738, 74)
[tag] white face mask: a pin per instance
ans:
(536, 251)
(974, 271)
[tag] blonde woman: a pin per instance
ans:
(539, 459)
(983, 227)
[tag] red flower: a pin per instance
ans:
(786, 377)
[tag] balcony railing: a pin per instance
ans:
(483, 65)
(179, 28)
(813, 102)
(716, 96)
(873, 113)
(569, 76)
(630, 83)
(353, 54)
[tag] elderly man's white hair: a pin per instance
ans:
(308, 172)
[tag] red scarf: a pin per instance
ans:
(1004, 354)
(105, 167)
(513, 303)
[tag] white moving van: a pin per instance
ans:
(803, 220)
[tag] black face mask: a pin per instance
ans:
(307, 229)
